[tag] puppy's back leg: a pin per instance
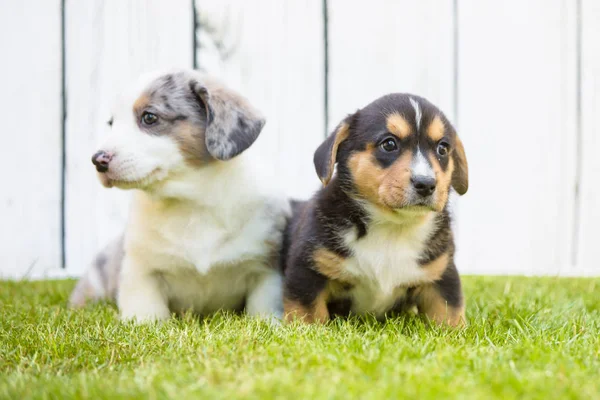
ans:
(265, 298)
(100, 281)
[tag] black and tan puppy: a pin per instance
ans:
(377, 237)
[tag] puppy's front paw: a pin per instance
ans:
(142, 306)
(149, 315)
(274, 318)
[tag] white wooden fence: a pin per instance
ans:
(520, 79)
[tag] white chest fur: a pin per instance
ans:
(385, 261)
(200, 239)
(204, 239)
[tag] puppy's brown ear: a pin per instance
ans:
(326, 154)
(460, 176)
(232, 124)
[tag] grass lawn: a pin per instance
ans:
(527, 337)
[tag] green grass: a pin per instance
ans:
(527, 337)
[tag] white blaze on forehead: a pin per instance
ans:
(421, 167)
(417, 108)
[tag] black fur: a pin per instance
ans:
(335, 209)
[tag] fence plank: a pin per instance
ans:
(30, 201)
(108, 43)
(272, 52)
(589, 205)
(400, 46)
(517, 117)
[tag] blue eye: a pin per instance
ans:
(389, 145)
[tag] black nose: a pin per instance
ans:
(101, 160)
(424, 185)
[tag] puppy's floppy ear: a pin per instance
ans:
(460, 176)
(232, 124)
(326, 154)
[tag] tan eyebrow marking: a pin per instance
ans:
(436, 129)
(398, 126)
(141, 103)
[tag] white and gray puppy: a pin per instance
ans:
(205, 224)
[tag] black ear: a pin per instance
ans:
(232, 124)
(326, 154)
(460, 175)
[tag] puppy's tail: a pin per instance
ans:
(100, 281)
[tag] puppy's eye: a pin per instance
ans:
(443, 148)
(389, 145)
(149, 119)
(110, 122)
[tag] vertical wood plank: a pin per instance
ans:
(272, 52)
(30, 200)
(384, 47)
(108, 43)
(517, 110)
(588, 254)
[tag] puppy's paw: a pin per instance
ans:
(144, 317)
(274, 318)
(143, 312)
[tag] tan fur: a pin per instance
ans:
(367, 176)
(329, 264)
(192, 144)
(431, 303)
(341, 135)
(398, 126)
(321, 313)
(141, 103)
(317, 312)
(294, 310)
(443, 181)
(460, 177)
(384, 187)
(436, 268)
(436, 129)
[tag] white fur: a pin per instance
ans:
(421, 167)
(198, 238)
(139, 158)
(268, 291)
(386, 259)
(418, 113)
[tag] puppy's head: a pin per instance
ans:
(399, 152)
(171, 122)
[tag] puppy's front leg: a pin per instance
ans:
(442, 301)
(140, 297)
(265, 298)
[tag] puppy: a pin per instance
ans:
(205, 225)
(377, 237)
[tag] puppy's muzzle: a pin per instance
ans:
(102, 160)
(423, 185)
